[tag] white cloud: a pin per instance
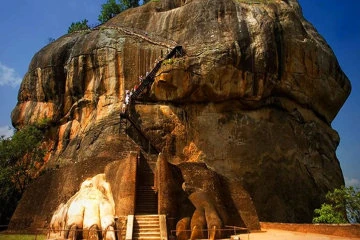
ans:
(8, 76)
(6, 131)
(352, 182)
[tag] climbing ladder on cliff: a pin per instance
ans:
(149, 79)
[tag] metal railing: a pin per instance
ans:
(79, 234)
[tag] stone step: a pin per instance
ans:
(143, 199)
(146, 235)
(153, 206)
(141, 195)
(153, 232)
(146, 199)
(146, 191)
(146, 227)
(147, 217)
(141, 211)
(148, 238)
(147, 222)
(148, 232)
(139, 191)
(146, 206)
(146, 202)
(145, 188)
(140, 198)
(146, 211)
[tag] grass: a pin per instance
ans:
(21, 237)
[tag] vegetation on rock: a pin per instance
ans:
(79, 26)
(108, 10)
(333, 210)
(111, 8)
(20, 159)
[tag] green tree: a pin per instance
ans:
(78, 26)
(341, 206)
(109, 10)
(130, 3)
(21, 157)
(112, 8)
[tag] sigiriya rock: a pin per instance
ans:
(233, 128)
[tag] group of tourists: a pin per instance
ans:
(129, 93)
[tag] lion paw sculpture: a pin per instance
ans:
(89, 214)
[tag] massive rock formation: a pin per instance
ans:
(250, 104)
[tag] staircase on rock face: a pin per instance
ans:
(146, 227)
(149, 79)
(146, 222)
(146, 197)
(146, 200)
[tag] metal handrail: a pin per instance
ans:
(48, 231)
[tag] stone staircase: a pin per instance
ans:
(147, 224)
(146, 197)
(146, 200)
(146, 227)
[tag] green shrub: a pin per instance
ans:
(341, 206)
(327, 214)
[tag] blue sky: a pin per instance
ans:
(27, 25)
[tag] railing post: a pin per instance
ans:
(163, 228)
(129, 227)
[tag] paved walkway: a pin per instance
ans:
(274, 234)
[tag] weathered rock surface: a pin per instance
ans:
(252, 99)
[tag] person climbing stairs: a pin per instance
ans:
(149, 79)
